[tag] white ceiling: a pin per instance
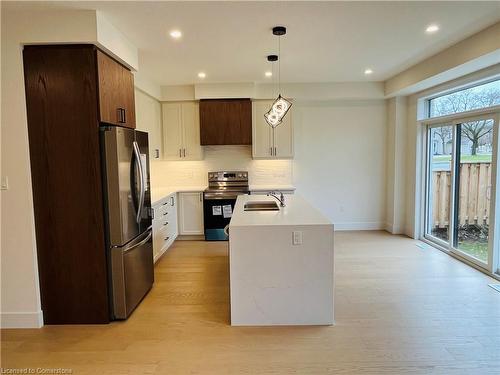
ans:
(326, 41)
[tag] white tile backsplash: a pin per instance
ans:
(218, 158)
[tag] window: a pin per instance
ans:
(477, 97)
(459, 186)
(439, 181)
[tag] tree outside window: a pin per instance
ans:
(477, 132)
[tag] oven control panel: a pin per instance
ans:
(228, 176)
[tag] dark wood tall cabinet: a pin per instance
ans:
(70, 90)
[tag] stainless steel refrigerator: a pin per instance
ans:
(125, 160)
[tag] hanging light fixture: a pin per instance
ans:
(272, 117)
(280, 106)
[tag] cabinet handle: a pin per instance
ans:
(166, 238)
(180, 155)
(157, 153)
(121, 116)
(165, 214)
(184, 150)
(124, 115)
(172, 201)
(166, 223)
(271, 150)
(201, 194)
(274, 150)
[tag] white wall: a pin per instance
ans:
(20, 300)
(298, 91)
(218, 158)
(414, 153)
(339, 165)
(340, 148)
(396, 164)
(476, 52)
(467, 61)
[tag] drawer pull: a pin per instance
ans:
(166, 213)
(166, 238)
(166, 223)
(164, 204)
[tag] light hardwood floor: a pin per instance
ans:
(399, 309)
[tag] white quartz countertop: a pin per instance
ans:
(296, 212)
(271, 187)
(158, 193)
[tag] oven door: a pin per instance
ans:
(217, 212)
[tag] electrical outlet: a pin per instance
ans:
(297, 237)
(5, 183)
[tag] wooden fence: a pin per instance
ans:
(475, 192)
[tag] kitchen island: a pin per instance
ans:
(281, 263)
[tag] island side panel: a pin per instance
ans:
(274, 282)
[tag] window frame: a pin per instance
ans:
(456, 89)
(492, 266)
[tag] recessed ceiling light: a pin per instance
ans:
(176, 34)
(368, 71)
(201, 75)
(268, 74)
(432, 29)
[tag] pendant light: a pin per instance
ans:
(280, 106)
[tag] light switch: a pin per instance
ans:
(5, 183)
(297, 237)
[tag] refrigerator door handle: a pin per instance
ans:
(141, 173)
(132, 247)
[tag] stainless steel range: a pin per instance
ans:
(219, 200)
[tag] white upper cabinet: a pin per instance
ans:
(172, 130)
(181, 131)
(269, 143)
(148, 119)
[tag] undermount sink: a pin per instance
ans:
(261, 206)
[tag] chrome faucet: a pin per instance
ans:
(281, 198)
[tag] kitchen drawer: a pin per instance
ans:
(166, 231)
(165, 207)
(164, 224)
(162, 210)
(163, 216)
(163, 221)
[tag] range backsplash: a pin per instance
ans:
(218, 158)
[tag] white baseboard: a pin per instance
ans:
(369, 225)
(194, 237)
(21, 320)
(393, 229)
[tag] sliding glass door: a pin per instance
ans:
(474, 155)
(440, 162)
(459, 186)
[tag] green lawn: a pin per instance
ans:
(478, 250)
(483, 158)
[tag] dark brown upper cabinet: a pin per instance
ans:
(226, 122)
(116, 92)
